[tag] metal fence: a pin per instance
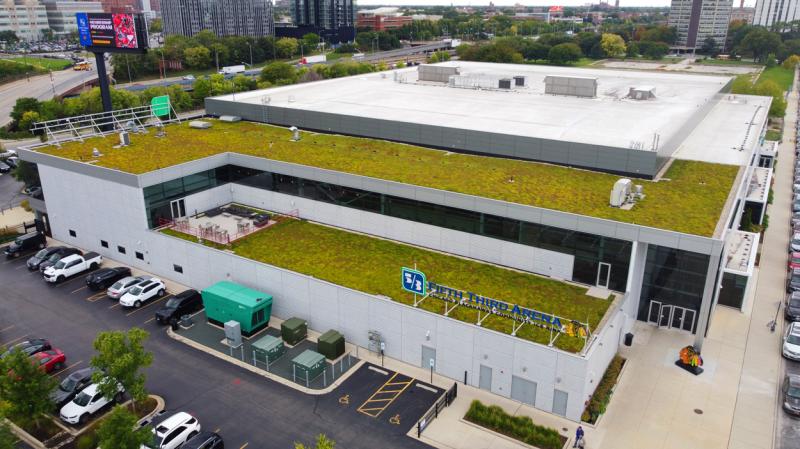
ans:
(433, 412)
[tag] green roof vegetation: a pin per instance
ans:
(691, 200)
(373, 266)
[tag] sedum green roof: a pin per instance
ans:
(690, 200)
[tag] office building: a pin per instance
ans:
(382, 19)
(130, 6)
(26, 18)
(698, 20)
(770, 12)
(251, 18)
(61, 14)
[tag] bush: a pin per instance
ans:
(25, 204)
(520, 428)
(86, 441)
(602, 394)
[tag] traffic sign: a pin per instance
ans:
(160, 105)
(413, 281)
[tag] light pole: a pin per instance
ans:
(163, 63)
(251, 54)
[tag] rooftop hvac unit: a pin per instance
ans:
(642, 93)
(620, 192)
(199, 124)
(230, 118)
(519, 81)
(504, 83)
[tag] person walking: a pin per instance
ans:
(578, 437)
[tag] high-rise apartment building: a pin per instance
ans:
(26, 18)
(121, 5)
(61, 13)
(770, 12)
(697, 20)
(323, 14)
(223, 17)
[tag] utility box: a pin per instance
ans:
(294, 330)
(268, 349)
(331, 344)
(226, 301)
(504, 83)
(233, 333)
(307, 366)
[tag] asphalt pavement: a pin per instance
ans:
(10, 191)
(246, 409)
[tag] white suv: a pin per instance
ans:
(791, 341)
(174, 431)
(143, 292)
(86, 403)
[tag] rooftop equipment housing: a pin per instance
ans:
(620, 192)
(642, 92)
(573, 86)
(436, 73)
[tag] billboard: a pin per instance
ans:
(122, 32)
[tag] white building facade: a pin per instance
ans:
(26, 18)
(771, 12)
(698, 20)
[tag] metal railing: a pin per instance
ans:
(445, 400)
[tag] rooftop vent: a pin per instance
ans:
(520, 81)
(124, 138)
(436, 73)
(504, 83)
(199, 124)
(96, 153)
(230, 118)
(642, 93)
(573, 86)
(624, 194)
(295, 133)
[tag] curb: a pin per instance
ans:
(263, 373)
(24, 436)
(508, 438)
(159, 406)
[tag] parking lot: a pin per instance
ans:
(248, 410)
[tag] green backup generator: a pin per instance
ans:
(226, 301)
(307, 366)
(331, 344)
(294, 330)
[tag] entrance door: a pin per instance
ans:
(523, 390)
(688, 320)
(428, 354)
(178, 208)
(603, 274)
(653, 312)
(485, 381)
(560, 399)
(665, 316)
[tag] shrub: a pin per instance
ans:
(86, 441)
(520, 428)
(602, 394)
(25, 204)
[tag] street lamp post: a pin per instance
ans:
(251, 54)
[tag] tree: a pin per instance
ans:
(206, 38)
(769, 88)
(7, 439)
(23, 105)
(653, 50)
(119, 360)
(286, 47)
(279, 73)
(323, 442)
(26, 388)
(710, 47)
(119, 431)
(310, 41)
(791, 62)
(27, 173)
(201, 89)
(197, 57)
(564, 54)
(8, 37)
(760, 42)
(156, 26)
(612, 45)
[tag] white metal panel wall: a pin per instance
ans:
(549, 263)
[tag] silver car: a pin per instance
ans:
(122, 286)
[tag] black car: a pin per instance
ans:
(29, 347)
(181, 304)
(792, 309)
(41, 256)
(71, 386)
(793, 283)
(25, 243)
(63, 251)
(105, 277)
(204, 440)
(791, 394)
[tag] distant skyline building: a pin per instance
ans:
(26, 18)
(743, 14)
(697, 20)
(224, 17)
(323, 14)
(382, 19)
(61, 13)
(770, 12)
(121, 5)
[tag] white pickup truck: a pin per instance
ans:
(72, 265)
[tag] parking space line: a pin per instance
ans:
(96, 297)
(151, 319)
(78, 289)
(383, 398)
(217, 430)
(114, 306)
(148, 305)
(12, 261)
(67, 368)
(7, 328)
(13, 341)
(244, 445)
(21, 266)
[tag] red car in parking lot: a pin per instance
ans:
(50, 360)
(794, 260)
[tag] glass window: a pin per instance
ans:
(139, 255)
(501, 227)
(177, 268)
(173, 188)
(530, 234)
(463, 220)
(401, 208)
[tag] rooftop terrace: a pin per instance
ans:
(689, 200)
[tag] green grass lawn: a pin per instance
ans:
(690, 201)
(45, 63)
(373, 266)
(783, 77)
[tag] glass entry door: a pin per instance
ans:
(603, 274)
(178, 208)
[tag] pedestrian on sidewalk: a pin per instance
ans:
(578, 437)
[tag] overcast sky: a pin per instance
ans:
(361, 3)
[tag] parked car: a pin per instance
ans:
(12, 161)
(43, 254)
(25, 243)
(793, 282)
(795, 219)
(122, 286)
(181, 304)
(795, 206)
(60, 253)
(50, 360)
(144, 292)
(791, 394)
(174, 431)
(794, 244)
(87, 403)
(72, 265)
(29, 347)
(205, 440)
(794, 260)
(4, 168)
(71, 386)
(106, 277)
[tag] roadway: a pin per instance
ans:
(41, 87)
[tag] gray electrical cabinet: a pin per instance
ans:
(233, 333)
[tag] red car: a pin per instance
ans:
(50, 360)
(794, 261)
